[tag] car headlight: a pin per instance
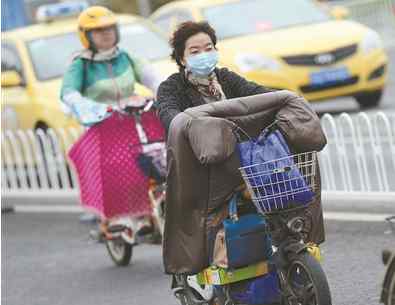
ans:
(371, 41)
(248, 62)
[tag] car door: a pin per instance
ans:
(16, 106)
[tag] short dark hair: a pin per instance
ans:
(183, 32)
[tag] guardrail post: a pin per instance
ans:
(36, 162)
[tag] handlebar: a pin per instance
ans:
(133, 109)
(142, 108)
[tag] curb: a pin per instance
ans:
(356, 217)
(364, 202)
(68, 202)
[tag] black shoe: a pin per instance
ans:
(89, 218)
(145, 230)
(155, 238)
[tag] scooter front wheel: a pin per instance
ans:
(120, 251)
(307, 282)
(390, 300)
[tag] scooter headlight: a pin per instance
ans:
(296, 224)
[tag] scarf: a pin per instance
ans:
(100, 55)
(208, 87)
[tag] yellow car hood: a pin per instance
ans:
(314, 38)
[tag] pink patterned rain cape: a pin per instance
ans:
(105, 158)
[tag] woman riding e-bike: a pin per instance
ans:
(98, 90)
(196, 208)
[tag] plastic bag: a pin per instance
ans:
(272, 173)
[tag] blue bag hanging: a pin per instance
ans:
(247, 238)
(271, 173)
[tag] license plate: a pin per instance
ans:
(329, 76)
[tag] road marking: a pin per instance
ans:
(48, 208)
(351, 216)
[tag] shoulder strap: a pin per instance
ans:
(233, 207)
(132, 64)
(84, 75)
(130, 61)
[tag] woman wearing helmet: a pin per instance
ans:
(102, 76)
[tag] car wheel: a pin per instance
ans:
(369, 99)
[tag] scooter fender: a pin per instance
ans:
(295, 248)
(286, 252)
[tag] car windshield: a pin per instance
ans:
(52, 55)
(254, 16)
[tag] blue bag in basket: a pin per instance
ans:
(275, 184)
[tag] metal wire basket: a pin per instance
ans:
(282, 183)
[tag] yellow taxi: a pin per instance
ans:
(296, 45)
(34, 59)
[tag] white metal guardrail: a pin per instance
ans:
(359, 157)
(36, 162)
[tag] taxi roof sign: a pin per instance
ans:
(50, 12)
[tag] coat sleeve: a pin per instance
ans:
(86, 111)
(300, 124)
(241, 86)
(145, 73)
(167, 103)
(72, 79)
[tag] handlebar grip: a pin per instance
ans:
(145, 107)
(141, 108)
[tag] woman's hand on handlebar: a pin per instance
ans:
(133, 104)
(135, 101)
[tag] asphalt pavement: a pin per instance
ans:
(48, 259)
